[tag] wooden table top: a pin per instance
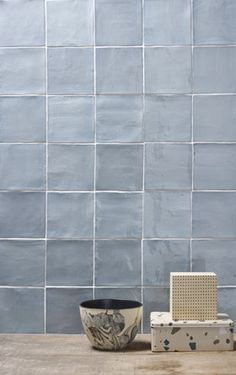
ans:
(73, 355)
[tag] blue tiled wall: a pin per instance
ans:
(117, 154)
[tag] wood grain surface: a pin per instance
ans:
(73, 355)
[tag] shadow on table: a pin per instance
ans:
(138, 345)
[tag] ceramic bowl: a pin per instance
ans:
(110, 324)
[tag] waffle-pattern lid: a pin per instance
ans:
(164, 319)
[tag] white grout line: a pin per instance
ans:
(216, 239)
(93, 46)
(122, 143)
(90, 192)
(170, 94)
(121, 239)
(192, 173)
(165, 286)
(95, 152)
(46, 171)
(143, 166)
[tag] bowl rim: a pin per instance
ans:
(110, 304)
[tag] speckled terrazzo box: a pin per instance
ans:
(193, 295)
(190, 335)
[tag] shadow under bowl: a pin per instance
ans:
(110, 324)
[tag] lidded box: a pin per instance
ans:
(192, 335)
(193, 295)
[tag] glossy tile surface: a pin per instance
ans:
(69, 262)
(168, 70)
(25, 317)
(70, 215)
(22, 263)
(214, 21)
(70, 23)
(214, 70)
(22, 23)
(119, 167)
(22, 166)
(214, 166)
(214, 118)
(22, 215)
(168, 166)
(118, 22)
(167, 118)
(119, 71)
(167, 214)
(71, 119)
(214, 214)
(167, 22)
(118, 215)
(22, 71)
(23, 119)
(70, 71)
(118, 262)
(119, 118)
(71, 167)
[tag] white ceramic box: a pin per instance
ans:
(193, 295)
(192, 335)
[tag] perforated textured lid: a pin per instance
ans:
(163, 319)
(193, 295)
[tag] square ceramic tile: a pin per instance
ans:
(119, 70)
(23, 119)
(118, 215)
(167, 118)
(71, 167)
(119, 293)
(168, 70)
(154, 299)
(214, 214)
(119, 23)
(22, 71)
(70, 23)
(214, 118)
(214, 70)
(170, 256)
(226, 301)
(118, 262)
(22, 215)
(166, 22)
(119, 118)
(69, 262)
(70, 215)
(63, 309)
(21, 310)
(214, 166)
(214, 21)
(119, 167)
(168, 166)
(22, 23)
(70, 71)
(215, 256)
(71, 119)
(167, 214)
(22, 263)
(22, 166)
